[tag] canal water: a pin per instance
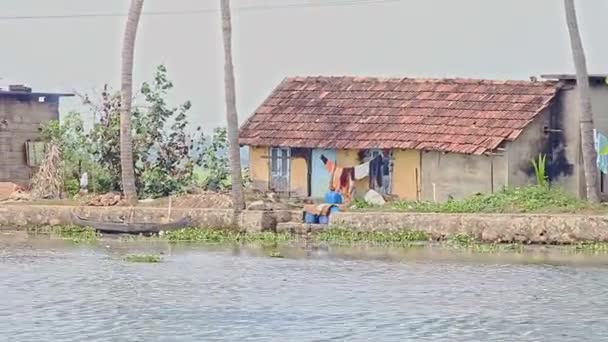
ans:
(56, 291)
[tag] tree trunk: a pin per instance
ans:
(231, 114)
(584, 99)
(126, 144)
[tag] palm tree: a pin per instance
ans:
(586, 111)
(231, 114)
(126, 145)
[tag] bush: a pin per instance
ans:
(165, 153)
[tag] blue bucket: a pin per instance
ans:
(310, 218)
(323, 219)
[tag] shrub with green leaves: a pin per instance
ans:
(165, 152)
(540, 171)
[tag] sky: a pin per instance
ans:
(495, 39)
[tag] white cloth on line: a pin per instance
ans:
(362, 171)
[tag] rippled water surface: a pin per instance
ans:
(50, 291)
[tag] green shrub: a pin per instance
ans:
(539, 166)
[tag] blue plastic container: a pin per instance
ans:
(333, 197)
(310, 218)
(334, 209)
(323, 219)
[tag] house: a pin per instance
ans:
(21, 114)
(440, 138)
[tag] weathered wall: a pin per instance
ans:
(527, 147)
(569, 114)
(565, 113)
(19, 122)
(489, 228)
(258, 167)
(406, 174)
(454, 175)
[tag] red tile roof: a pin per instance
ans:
(451, 115)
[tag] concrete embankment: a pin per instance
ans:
(17, 216)
(526, 228)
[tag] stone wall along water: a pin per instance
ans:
(525, 228)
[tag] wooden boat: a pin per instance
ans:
(113, 227)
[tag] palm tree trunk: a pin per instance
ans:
(126, 144)
(231, 114)
(584, 99)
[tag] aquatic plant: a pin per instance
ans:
(344, 235)
(76, 234)
(144, 258)
(470, 243)
(592, 247)
(275, 254)
(224, 236)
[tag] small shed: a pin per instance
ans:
(22, 112)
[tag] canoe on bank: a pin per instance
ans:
(112, 227)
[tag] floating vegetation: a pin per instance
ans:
(592, 247)
(224, 236)
(348, 236)
(76, 234)
(275, 254)
(143, 258)
(470, 243)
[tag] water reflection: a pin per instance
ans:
(53, 290)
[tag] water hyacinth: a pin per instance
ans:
(141, 258)
(343, 235)
(224, 236)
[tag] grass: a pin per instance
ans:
(224, 236)
(143, 258)
(531, 199)
(76, 234)
(347, 236)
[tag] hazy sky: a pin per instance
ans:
(414, 38)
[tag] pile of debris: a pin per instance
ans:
(11, 192)
(106, 200)
(204, 200)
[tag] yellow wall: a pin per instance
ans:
(299, 176)
(405, 183)
(258, 167)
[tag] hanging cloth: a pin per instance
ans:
(375, 172)
(341, 179)
(361, 171)
(601, 146)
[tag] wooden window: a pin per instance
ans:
(34, 151)
(279, 169)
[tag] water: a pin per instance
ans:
(53, 291)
